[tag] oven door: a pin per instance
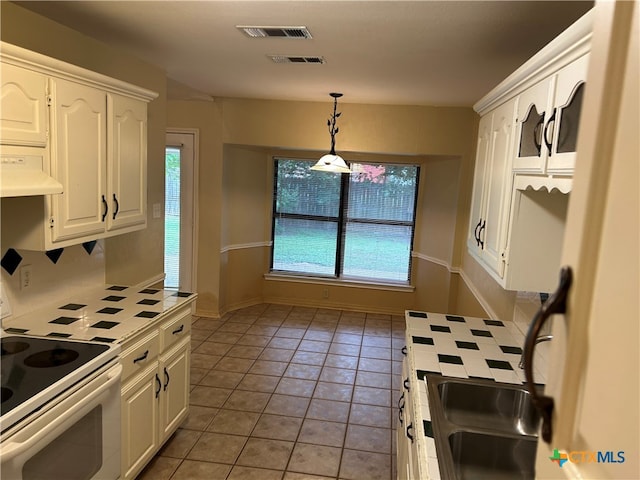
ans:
(76, 437)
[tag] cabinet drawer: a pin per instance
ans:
(175, 328)
(140, 355)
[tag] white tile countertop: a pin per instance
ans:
(110, 314)
(455, 346)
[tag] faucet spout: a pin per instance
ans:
(540, 339)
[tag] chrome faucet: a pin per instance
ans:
(540, 339)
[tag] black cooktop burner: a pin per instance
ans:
(9, 347)
(51, 358)
(30, 365)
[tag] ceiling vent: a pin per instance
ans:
(274, 32)
(295, 59)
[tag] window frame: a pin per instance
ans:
(342, 220)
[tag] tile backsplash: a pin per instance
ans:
(54, 275)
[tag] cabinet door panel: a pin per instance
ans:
(533, 112)
(127, 162)
(140, 422)
(568, 97)
(174, 372)
(482, 155)
(23, 107)
(79, 161)
(498, 196)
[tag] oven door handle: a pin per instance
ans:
(14, 448)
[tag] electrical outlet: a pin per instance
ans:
(325, 293)
(25, 277)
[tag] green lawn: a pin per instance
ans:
(302, 246)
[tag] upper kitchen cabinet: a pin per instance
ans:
(96, 147)
(525, 159)
(492, 187)
(23, 107)
(548, 119)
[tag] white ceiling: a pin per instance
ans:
(447, 53)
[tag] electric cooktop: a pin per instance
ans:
(32, 365)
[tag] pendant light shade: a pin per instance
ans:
(331, 162)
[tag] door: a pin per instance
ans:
(79, 161)
(594, 380)
(180, 209)
(127, 172)
(174, 405)
(23, 104)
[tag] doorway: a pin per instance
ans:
(180, 226)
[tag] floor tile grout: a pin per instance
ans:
(382, 327)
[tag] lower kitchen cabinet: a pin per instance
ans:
(155, 388)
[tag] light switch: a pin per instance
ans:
(157, 212)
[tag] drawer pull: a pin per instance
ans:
(141, 357)
(178, 330)
(406, 384)
(404, 350)
(401, 409)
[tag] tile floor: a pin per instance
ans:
(281, 392)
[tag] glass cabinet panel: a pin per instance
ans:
(569, 122)
(530, 135)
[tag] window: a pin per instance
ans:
(344, 226)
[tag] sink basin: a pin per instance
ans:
(480, 456)
(483, 429)
(508, 409)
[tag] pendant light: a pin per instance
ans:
(332, 162)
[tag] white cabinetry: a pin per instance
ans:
(93, 130)
(155, 388)
(492, 187)
(23, 107)
(525, 158)
(548, 120)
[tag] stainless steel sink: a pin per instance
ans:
(482, 429)
(493, 406)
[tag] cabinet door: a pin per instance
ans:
(174, 372)
(23, 107)
(493, 231)
(140, 421)
(533, 107)
(127, 172)
(79, 161)
(570, 86)
(479, 180)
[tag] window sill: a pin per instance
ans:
(352, 283)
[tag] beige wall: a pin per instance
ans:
(131, 258)
(232, 131)
(441, 140)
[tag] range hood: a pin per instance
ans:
(23, 175)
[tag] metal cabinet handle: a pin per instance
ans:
(410, 435)
(141, 357)
(406, 384)
(548, 143)
(480, 241)
(536, 134)
(117, 209)
(557, 303)
(166, 379)
(401, 409)
(159, 384)
(404, 350)
(475, 233)
(178, 330)
(106, 208)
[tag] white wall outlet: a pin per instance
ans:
(25, 276)
(157, 212)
